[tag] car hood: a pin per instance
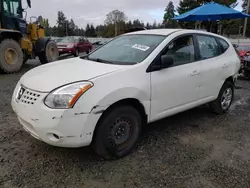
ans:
(64, 44)
(47, 77)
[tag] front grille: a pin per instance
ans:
(61, 46)
(30, 97)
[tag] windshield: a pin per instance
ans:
(12, 8)
(243, 48)
(67, 40)
(127, 49)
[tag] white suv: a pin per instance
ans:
(104, 98)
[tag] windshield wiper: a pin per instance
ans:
(101, 60)
(106, 61)
(85, 57)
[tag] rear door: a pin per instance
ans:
(214, 65)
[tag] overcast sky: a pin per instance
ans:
(94, 11)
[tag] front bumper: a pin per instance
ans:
(66, 50)
(63, 128)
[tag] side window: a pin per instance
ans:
(12, 7)
(6, 8)
(182, 50)
(224, 44)
(208, 46)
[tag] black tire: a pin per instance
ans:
(117, 132)
(246, 74)
(16, 53)
(25, 58)
(76, 54)
(88, 51)
(50, 53)
(220, 107)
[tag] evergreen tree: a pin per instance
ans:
(154, 26)
(71, 28)
(88, 32)
(244, 6)
(61, 23)
(185, 6)
(168, 22)
(92, 31)
(148, 26)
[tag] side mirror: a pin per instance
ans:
(166, 61)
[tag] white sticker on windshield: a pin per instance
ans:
(140, 47)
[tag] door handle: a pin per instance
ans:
(194, 73)
(225, 65)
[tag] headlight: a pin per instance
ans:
(70, 45)
(66, 96)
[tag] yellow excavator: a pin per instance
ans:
(19, 40)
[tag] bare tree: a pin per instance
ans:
(115, 17)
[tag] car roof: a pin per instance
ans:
(163, 32)
(166, 32)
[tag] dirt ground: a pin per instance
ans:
(193, 149)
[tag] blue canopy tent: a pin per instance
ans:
(211, 12)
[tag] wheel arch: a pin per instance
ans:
(40, 44)
(135, 103)
(11, 34)
(230, 79)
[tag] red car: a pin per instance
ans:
(74, 46)
(243, 50)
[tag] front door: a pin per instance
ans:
(177, 87)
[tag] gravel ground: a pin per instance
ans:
(193, 149)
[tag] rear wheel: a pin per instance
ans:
(246, 73)
(11, 56)
(50, 53)
(225, 98)
(117, 132)
(25, 58)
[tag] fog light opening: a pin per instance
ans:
(53, 137)
(56, 136)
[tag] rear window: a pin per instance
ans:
(224, 44)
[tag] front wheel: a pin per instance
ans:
(76, 54)
(50, 53)
(11, 56)
(88, 51)
(225, 98)
(117, 133)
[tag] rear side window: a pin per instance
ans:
(224, 44)
(208, 47)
